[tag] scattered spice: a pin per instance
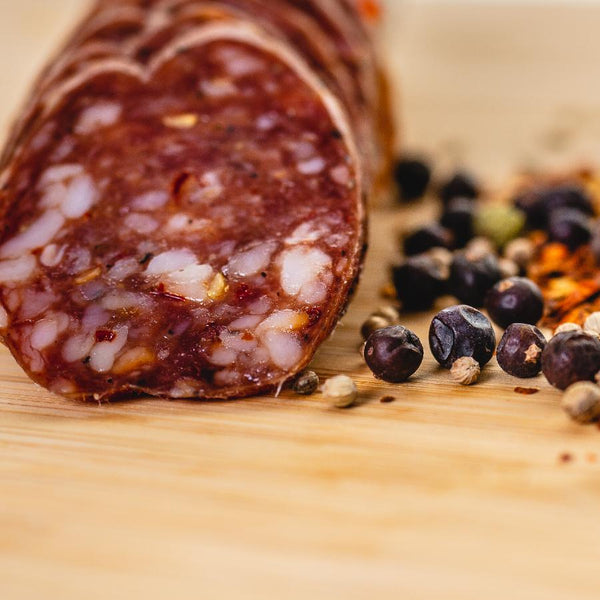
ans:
(526, 391)
(581, 402)
(465, 370)
(387, 399)
(565, 457)
(307, 383)
(342, 390)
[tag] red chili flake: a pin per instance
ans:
(314, 314)
(179, 182)
(565, 457)
(247, 337)
(162, 292)
(244, 293)
(387, 399)
(370, 9)
(526, 391)
(105, 335)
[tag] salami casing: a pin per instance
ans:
(183, 197)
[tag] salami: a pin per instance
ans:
(183, 198)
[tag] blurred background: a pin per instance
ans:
(494, 84)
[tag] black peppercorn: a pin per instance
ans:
(570, 227)
(520, 350)
(461, 331)
(461, 185)
(470, 280)
(419, 282)
(538, 204)
(515, 300)
(458, 217)
(570, 357)
(413, 177)
(426, 238)
(393, 354)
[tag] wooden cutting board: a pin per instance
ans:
(447, 492)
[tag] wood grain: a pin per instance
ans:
(447, 492)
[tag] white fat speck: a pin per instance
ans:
(227, 378)
(43, 138)
(260, 306)
(81, 196)
(282, 320)
(235, 341)
(13, 299)
(303, 150)
(163, 354)
(313, 292)
(340, 174)
(59, 174)
(210, 188)
(243, 323)
(307, 232)
(63, 387)
(142, 224)
(120, 300)
(35, 303)
(78, 259)
(170, 261)
(94, 317)
(218, 88)
(54, 195)
(183, 389)
(98, 116)
(267, 121)
(63, 149)
(3, 318)
(52, 255)
(123, 269)
(78, 347)
(301, 267)
(284, 348)
(252, 261)
(312, 166)
(17, 270)
(240, 64)
(104, 354)
(183, 222)
(44, 333)
(260, 356)
(37, 235)
(150, 201)
(190, 282)
(223, 357)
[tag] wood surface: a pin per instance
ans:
(447, 492)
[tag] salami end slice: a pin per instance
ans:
(187, 226)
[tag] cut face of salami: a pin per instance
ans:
(187, 225)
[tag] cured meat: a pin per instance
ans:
(182, 200)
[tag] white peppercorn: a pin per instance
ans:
(592, 323)
(342, 390)
(520, 251)
(465, 370)
(581, 402)
(566, 327)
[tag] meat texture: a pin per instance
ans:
(183, 197)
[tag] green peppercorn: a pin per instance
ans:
(499, 223)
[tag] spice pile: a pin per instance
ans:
(532, 261)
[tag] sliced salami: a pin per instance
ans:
(188, 220)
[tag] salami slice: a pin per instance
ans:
(183, 222)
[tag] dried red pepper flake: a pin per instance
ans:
(565, 457)
(387, 399)
(105, 335)
(314, 314)
(526, 391)
(370, 10)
